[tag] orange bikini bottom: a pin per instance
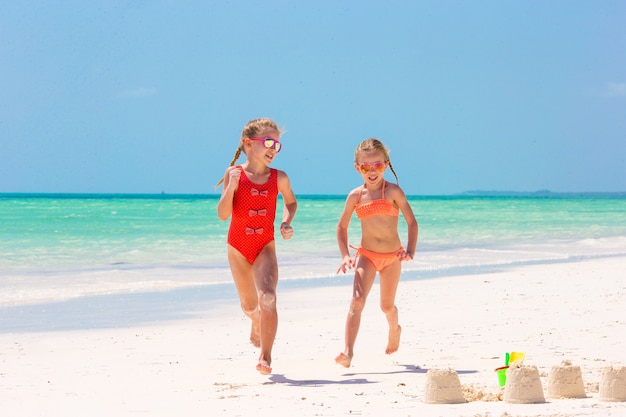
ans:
(379, 260)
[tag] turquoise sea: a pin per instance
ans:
(56, 247)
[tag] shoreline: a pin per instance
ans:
(198, 361)
(143, 284)
(187, 300)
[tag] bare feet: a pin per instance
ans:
(394, 340)
(263, 367)
(343, 360)
(255, 337)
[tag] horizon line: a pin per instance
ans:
(471, 193)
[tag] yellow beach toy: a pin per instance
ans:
(516, 357)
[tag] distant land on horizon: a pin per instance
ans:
(541, 193)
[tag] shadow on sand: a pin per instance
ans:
(412, 369)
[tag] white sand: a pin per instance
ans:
(203, 365)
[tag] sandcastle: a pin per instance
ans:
(523, 385)
(566, 381)
(443, 387)
(613, 384)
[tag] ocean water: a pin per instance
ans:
(62, 247)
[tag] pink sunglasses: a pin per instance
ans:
(366, 167)
(269, 143)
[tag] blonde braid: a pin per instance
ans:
(394, 172)
(237, 154)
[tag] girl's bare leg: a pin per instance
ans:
(243, 277)
(389, 279)
(266, 279)
(364, 276)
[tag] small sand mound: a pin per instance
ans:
(566, 381)
(482, 393)
(613, 384)
(523, 385)
(443, 387)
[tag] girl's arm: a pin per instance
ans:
(404, 206)
(291, 205)
(342, 232)
(231, 181)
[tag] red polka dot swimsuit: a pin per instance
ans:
(252, 218)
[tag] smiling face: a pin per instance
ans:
(369, 159)
(256, 149)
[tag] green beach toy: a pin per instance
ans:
(501, 372)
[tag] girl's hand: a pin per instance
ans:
(286, 230)
(405, 256)
(346, 263)
(233, 178)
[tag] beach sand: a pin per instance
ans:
(198, 362)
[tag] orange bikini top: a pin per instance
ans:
(376, 207)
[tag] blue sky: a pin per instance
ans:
(150, 96)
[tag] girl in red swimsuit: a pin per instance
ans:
(377, 204)
(249, 198)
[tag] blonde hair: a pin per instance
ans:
(250, 130)
(373, 144)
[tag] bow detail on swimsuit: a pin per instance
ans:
(260, 212)
(254, 191)
(251, 231)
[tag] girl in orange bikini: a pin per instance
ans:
(377, 204)
(249, 198)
